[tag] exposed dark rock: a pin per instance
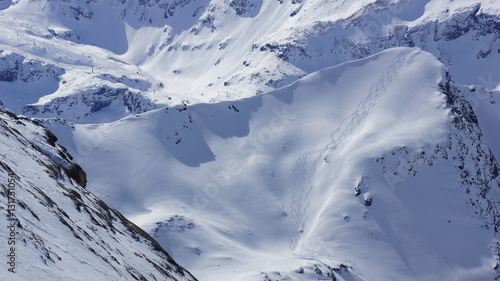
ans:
(75, 172)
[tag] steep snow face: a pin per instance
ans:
(54, 229)
(321, 179)
(124, 57)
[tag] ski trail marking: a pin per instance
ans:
(301, 188)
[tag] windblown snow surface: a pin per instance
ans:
(370, 170)
(277, 140)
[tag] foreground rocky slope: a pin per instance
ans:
(55, 229)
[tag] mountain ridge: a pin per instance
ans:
(222, 59)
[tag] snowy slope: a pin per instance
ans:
(133, 56)
(55, 229)
(388, 179)
(222, 129)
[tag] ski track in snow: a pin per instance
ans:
(301, 188)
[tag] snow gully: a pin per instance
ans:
(12, 223)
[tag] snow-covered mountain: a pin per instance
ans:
(274, 140)
(325, 173)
